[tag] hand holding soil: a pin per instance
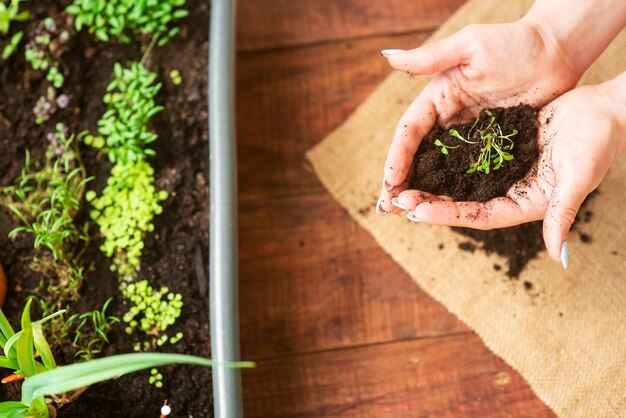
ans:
(580, 135)
(482, 66)
(531, 61)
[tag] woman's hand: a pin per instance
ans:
(479, 66)
(580, 135)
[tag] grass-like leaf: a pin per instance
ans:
(76, 376)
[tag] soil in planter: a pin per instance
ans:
(441, 174)
(175, 253)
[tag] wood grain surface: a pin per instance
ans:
(337, 328)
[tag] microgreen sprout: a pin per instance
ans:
(129, 202)
(91, 331)
(126, 19)
(152, 311)
(124, 129)
(156, 378)
(177, 79)
(496, 147)
(45, 202)
(11, 13)
(444, 147)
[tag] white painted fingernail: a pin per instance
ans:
(379, 210)
(411, 216)
(389, 52)
(564, 255)
(397, 204)
(386, 185)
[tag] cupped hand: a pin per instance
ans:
(479, 66)
(580, 135)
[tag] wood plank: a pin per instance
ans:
(271, 24)
(288, 100)
(453, 376)
(312, 280)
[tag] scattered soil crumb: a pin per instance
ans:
(467, 246)
(365, 211)
(586, 238)
(440, 246)
(497, 267)
(528, 285)
(614, 252)
(560, 313)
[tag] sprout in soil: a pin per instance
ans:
(7, 15)
(495, 146)
(177, 79)
(123, 19)
(43, 379)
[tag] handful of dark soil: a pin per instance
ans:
(446, 155)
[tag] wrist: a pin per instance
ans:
(555, 40)
(613, 93)
(577, 31)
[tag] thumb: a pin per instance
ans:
(562, 209)
(432, 58)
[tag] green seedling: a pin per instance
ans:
(124, 129)
(127, 19)
(11, 13)
(125, 209)
(45, 384)
(153, 311)
(177, 79)
(156, 378)
(444, 147)
(55, 77)
(496, 148)
(91, 331)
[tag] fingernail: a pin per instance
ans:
(564, 255)
(397, 204)
(389, 52)
(386, 185)
(411, 216)
(379, 210)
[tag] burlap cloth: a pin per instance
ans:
(568, 336)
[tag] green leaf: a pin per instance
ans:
(42, 347)
(13, 409)
(76, 376)
(24, 344)
(6, 331)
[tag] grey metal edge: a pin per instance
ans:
(223, 289)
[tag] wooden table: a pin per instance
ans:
(336, 327)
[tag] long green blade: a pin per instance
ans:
(75, 376)
(7, 363)
(6, 331)
(12, 409)
(24, 345)
(42, 347)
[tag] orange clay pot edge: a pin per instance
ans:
(3, 286)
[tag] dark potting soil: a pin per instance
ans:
(519, 244)
(447, 175)
(174, 254)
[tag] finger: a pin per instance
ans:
(412, 127)
(409, 199)
(433, 58)
(500, 212)
(564, 204)
(387, 195)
